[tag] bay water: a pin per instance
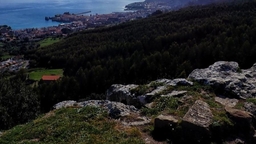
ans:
(21, 14)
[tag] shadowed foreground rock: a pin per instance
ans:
(165, 122)
(243, 121)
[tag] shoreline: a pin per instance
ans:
(67, 23)
(18, 18)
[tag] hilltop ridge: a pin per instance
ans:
(196, 110)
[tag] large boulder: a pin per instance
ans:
(243, 120)
(199, 115)
(122, 93)
(196, 122)
(228, 77)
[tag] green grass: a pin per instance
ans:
(48, 41)
(6, 56)
(38, 73)
(161, 104)
(253, 100)
(72, 125)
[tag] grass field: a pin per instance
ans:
(38, 73)
(48, 41)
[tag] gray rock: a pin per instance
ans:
(122, 93)
(250, 107)
(165, 122)
(1, 134)
(181, 82)
(175, 94)
(156, 91)
(64, 104)
(196, 122)
(226, 101)
(199, 115)
(229, 77)
(114, 109)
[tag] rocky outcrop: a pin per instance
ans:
(227, 76)
(122, 93)
(114, 109)
(226, 101)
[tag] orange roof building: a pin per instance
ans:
(50, 77)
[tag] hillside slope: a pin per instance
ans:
(169, 45)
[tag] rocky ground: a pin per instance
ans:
(216, 104)
(213, 104)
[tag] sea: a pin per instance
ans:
(22, 14)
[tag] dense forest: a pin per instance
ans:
(168, 45)
(19, 103)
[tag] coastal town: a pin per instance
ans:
(14, 64)
(76, 22)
